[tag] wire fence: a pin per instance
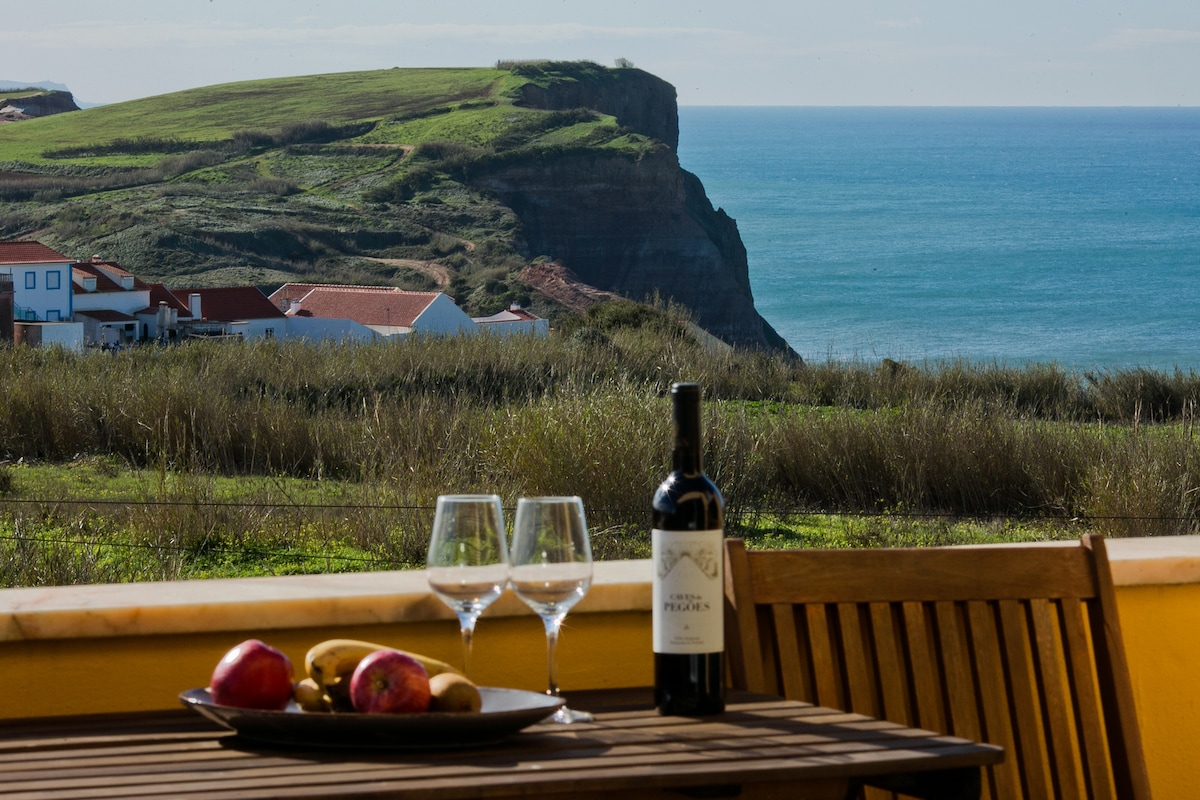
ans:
(356, 537)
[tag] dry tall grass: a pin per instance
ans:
(586, 413)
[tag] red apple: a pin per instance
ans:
(389, 682)
(252, 675)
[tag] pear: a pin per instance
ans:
(452, 692)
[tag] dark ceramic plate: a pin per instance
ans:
(504, 712)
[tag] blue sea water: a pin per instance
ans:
(997, 235)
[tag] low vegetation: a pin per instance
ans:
(275, 457)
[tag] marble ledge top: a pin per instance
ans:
(136, 609)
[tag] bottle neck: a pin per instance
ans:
(686, 454)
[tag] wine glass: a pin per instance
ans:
(467, 563)
(552, 571)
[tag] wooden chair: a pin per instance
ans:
(1014, 645)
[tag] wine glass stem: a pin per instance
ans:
(552, 624)
(467, 628)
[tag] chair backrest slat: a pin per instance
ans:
(924, 670)
(1056, 698)
(891, 664)
(1083, 679)
(794, 672)
(1026, 708)
(1016, 645)
(993, 691)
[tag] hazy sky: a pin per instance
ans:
(715, 52)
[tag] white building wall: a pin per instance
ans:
(317, 329)
(444, 316)
(57, 334)
(125, 302)
(259, 328)
(44, 289)
(527, 327)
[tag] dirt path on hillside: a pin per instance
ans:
(440, 273)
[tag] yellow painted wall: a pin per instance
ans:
(1161, 627)
(53, 677)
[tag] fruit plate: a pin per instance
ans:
(504, 712)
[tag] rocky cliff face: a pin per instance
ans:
(639, 100)
(28, 106)
(641, 228)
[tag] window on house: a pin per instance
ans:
(269, 333)
(53, 315)
(54, 280)
(30, 280)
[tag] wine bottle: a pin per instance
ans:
(688, 588)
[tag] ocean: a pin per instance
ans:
(994, 235)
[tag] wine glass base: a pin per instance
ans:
(565, 716)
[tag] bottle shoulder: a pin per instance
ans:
(677, 485)
(685, 502)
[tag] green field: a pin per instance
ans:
(215, 113)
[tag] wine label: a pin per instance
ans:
(688, 591)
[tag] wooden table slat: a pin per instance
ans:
(756, 745)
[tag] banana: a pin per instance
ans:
(310, 696)
(337, 694)
(330, 661)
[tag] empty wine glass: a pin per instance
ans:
(467, 563)
(552, 571)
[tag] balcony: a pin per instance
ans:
(92, 649)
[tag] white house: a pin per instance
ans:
(108, 300)
(241, 311)
(384, 310)
(37, 296)
(514, 320)
(41, 280)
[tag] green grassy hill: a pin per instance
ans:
(215, 113)
(361, 177)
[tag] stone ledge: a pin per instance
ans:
(300, 601)
(294, 601)
(1155, 560)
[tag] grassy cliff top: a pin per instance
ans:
(476, 106)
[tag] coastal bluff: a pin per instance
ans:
(30, 104)
(639, 227)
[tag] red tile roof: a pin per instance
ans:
(160, 293)
(106, 269)
(103, 283)
(28, 253)
(230, 303)
(82, 270)
(366, 305)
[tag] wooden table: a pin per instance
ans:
(760, 747)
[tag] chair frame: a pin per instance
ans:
(1016, 645)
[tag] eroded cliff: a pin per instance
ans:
(23, 105)
(640, 228)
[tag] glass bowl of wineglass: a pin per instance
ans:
(551, 571)
(467, 564)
